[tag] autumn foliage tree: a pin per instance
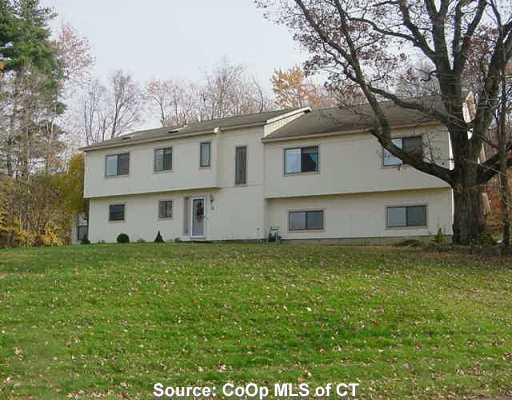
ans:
(293, 89)
(373, 44)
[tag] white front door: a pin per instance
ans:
(198, 219)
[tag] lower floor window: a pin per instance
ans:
(406, 216)
(165, 209)
(305, 220)
(116, 212)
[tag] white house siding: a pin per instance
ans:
(364, 215)
(352, 187)
(232, 212)
(352, 164)
(227, 216)
(142, 178)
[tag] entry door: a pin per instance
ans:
(198, 217)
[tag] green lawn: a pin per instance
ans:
(109, 321)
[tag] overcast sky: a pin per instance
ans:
(178, 38)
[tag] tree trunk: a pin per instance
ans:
(504, 197)
(468, 221)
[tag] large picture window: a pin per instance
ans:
(205, 155)
(412, 145)
(303, 159)
(305, 220)
(116, 212)
(399, 217)
(117, 164)
(163, 159)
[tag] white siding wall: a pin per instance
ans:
(185, 174)
(236, 212)
(351, 164)
(364, 215)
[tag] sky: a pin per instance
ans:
(178, 38)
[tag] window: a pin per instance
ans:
(117, 164)
(165, 209)
(241, 165)
(163, 159)
(204, 154)
(305, 220)
(116, 212)
(299, 160)
(412, 145)
(398, 217)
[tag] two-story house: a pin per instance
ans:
(308, 174)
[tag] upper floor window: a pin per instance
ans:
(241, 165)
(401, 217)
(302, 159)
(116, 212)
(117, 164)
(411, 144)
(163, 159)
(205, 154)
(165, 209)
(305, 220)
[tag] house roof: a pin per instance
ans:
(247, 120)
(352, 119)
(358, 118)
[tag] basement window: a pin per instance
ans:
(409, 216)
(306, 220)
(116, 212)
(165, 209)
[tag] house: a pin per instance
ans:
(306, 174)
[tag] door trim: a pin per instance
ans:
(192, 236)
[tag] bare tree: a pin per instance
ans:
(176, 101)
(124, 102)
(372, 43)
(92, 113)
(226, 90)
(229, 91)
(105, 112)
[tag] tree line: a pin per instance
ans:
(51, 103)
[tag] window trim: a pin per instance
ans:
(246, 164)
(300, 172)
(322, 210)
(154, 160)
(407, 226)
(209, 143)
(401, 164)
(117, 220)
(117, 155)
(172, 209)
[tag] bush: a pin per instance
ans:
(178, 240)
(141, 240)
(123, 238)
(439, 238)
(159, 238)
(85, 241)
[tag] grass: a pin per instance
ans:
(109, 321)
